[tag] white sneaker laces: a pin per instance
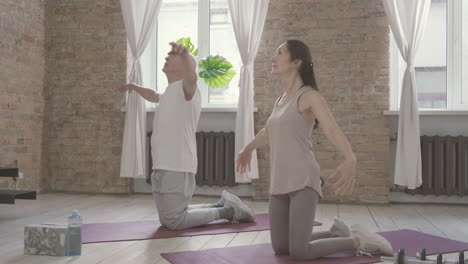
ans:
(360, 252)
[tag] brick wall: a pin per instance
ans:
(349, 45)
(86, 60)
(22, 99)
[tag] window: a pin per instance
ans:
(441, 79)
(209, 26)
(464, 51)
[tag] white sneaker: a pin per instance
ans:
(370, 243)
(222, 200)
(339, 228)
(242, 212)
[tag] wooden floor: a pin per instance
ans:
(440, 220)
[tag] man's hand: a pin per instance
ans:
(149, 94)
(178, 49)
(128, 87)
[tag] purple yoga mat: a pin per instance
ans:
(141, 230)
(411, 240)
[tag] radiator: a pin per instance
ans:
(215, 154)
(444, 165)
(215, 151)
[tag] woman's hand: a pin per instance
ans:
(345, 184)
(243, 160)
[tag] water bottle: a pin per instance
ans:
(74, 234)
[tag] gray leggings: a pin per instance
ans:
(291, 221)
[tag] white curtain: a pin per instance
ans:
(248, 18)
(407, 20)
(139, 18)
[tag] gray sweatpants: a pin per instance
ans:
(173, 192)
(291, 221)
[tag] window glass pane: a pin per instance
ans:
(177, 19)
(464, 52)
(431, 60)
(432, 83)
(223, 42)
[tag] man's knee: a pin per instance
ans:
(173, 223)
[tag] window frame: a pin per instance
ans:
(454, 56)
(203, 46)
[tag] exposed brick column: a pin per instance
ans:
(349, 41)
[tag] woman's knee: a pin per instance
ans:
(279, 243)
(280, 249)
(302, 253)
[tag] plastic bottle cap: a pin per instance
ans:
(75, 213)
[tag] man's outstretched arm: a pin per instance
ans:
(189, 81)
(149, 94)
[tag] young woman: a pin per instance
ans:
(295, 185)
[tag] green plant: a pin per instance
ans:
(188, 44)
(216, 70)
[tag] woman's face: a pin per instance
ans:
(281, 62)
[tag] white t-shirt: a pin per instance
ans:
(173, 143)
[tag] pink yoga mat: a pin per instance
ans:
(411, 241)
(141, 230)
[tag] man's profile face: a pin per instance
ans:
(173, 62)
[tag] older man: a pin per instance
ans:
(174, 152)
